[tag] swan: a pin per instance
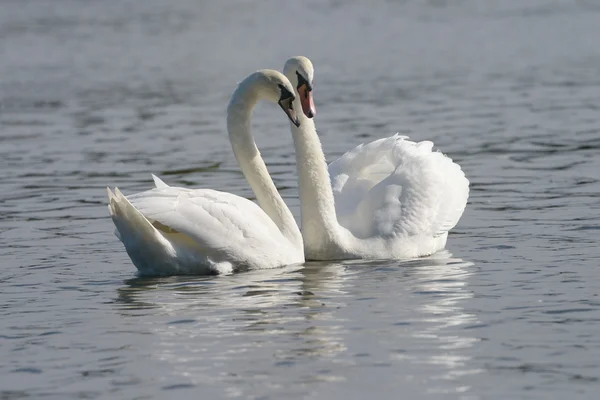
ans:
(176, 231)
(391, 198)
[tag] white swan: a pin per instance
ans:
(170, 230)
(391, 198)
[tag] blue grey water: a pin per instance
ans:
(97, 93)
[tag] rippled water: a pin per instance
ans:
(97, 93)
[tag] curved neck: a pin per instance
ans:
(319, 221)
(239, 114)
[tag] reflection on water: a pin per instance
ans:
(235, 328)
(252, 289)
(445, 279)
(256, 303)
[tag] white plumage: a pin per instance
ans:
(391, 198)
(396, 187)
(176, 231)
(172, 230)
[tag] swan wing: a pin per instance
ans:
(223, 225)
(355, 173)
(394, 186)
(158, 183)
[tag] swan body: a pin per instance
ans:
(391, 198)
(174, 231)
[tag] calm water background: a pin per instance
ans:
(97, 93)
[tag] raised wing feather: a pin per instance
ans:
(394, 186)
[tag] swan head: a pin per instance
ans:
(274, 86)
(300, 72)
(266, 84)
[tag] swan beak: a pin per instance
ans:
(306, 99)
(288, 108)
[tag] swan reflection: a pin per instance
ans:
(320, 322)
(209, 326)
(439, 338)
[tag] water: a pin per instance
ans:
(97, 93)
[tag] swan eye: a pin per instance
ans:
(285, 94)
(302, 81)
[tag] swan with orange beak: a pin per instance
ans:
(389, 199)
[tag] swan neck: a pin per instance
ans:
(319, 221)
(239, 116)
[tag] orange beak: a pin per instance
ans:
(306, 99)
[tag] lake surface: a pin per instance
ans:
(97, 93)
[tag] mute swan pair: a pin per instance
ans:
(391, 198)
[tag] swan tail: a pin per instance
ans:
(128, 220)
(145, 245)
(159, 182)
